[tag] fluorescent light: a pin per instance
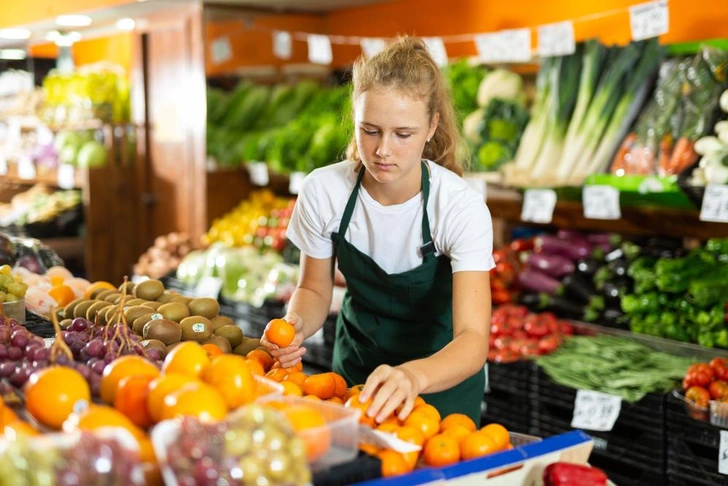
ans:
(65, 39)
(73, 20)
(125, 24)
(12, 54)
(15, 34)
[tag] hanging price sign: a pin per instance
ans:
(556, 39)
(296, 182)
(208, 287)
(282, 47)
(649, 19)
(538, 205)
(221, 50)
(372, 47)
(505, 46)
(319, 49)
(258, 173)
(436, 46)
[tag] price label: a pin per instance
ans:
(487, 378)
(436, 46)
(538, 205)
(479, 185)
(649, 19)
(601, 202)
(66, 176)
(3, 165)
(556, 39)
(296, 182)
(723, 453)
(208, 287)
(26, 168)
(595, 411)
(372, 47)
(319, 49)
(258, 173)
(282, 44)
(715, 204)
(222, 51)
(505, 46)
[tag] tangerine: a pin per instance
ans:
(18, 428)
(97, 416)
(458, 431)
(100, 285)
(477, 444)
(353, 402)
(499, 434)
(354, 390)
(303, 418)
(195, 399)
(457, 419)
(297, 377)
(429, 410)
(255, 367)
(128, 365)
(231, 376)
(413, 436)
(339, 385)
(322, 385)
(441, 450)
(212, 350)
(280, 332)
(187, 358)
(291, 389)
(52, 393)
(7, 415)
(131, 399)
(424, 421)
(393, 463)
(263, 357)
(277, 374)
(62, 294)
(159, 388)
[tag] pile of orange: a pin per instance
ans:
(11, 426)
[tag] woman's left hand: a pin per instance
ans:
(390, 387)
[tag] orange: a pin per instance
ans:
(312, 397)
(98, 416)
(146, 449)
(457, 419)
(428, 409)
(255, 367)
(62, 294)
(413, 436)
(7, 415)
(370, 449)
(392, 419)
(339, 385)
(18, 428)
(187, 358)
(280, 332)
(354, 390)
(441, 450)
(97, 286)
(322, 385)
(297, 377)
(303, 417)
(477, 444)
(335, 400)
(52, 393)
(353, 402)
(393, 463)
(263, 357)
(419, 401)
(277, 374)
(231, 376)
(131, 399)
(290, 388)
(389, 428)
(458, 431)
(424, 422)
(499, 434)
(129, 365)
(159, 388)
(212, 350)
(195, 399)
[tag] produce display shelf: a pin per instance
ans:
(48, 177)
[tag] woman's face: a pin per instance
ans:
(391, 129)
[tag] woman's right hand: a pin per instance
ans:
(290, 355)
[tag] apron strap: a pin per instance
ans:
(351, 203)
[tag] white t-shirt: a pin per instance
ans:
(460, 222)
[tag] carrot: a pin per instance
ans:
(620, 162)
(682, 156)
(664, 155)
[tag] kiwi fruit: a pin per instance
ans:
(196, 328)
(131, 302)
(183, 299)
(246, 346)
(129, 287)
(109, 313)
(221, 343)
(80, 309)
(139, 323)
(68, 310)
(232, 333)
(219, 321)
(100, 294)
(205, 307)
(162, 330)
(152, 304)
(112, 297)
(65, 323)
(93, 309)
(131, 313)
(167, 296)
(155, 344)
(175, 311)
(149, 289)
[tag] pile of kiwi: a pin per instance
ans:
(163, 318)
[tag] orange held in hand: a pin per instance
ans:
(280, 332)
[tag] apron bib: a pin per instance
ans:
(394, 318)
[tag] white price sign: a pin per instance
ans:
(296, 182)
(649, 19)
(3, 165)
(66, 176)
(556, 39)
(538, 205)
(436, 46)
(221, 50)
(601, 202)
(715, 204)
(723, 453)
(505, 46)
(26, 168)
(595, 411)
(319, 49)
(282, 45)
(258, 173)
(208, 287)
(372, 47)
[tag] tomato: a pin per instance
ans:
(515, 322)
(519, 334)
(702, 374)
(535, 326)
(519, 311)
(530, 348)
(505, 356)
(517, 344)
(501, 329)
(498, 317)
(698, 395)
(549, 343)
(718, 390)
(521, 244)
(491, 341)
(501, 297)
(720, 369)
(686, 384)
(502, 342)
(566, 329)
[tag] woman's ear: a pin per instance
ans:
(433, 126)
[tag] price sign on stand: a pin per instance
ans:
(649, 19)
(723, 453)
(26, 169)
(208, 287)
(258, 173)
(715, 204)
(538, 205)
(3, 165)
(295, 182)
(556, 39)
(601, 202)
(595, 411)
(66, 176)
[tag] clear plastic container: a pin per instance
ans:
(267, 389)
(693, 409)
(14, 310)
(518, 440)
(719, 414)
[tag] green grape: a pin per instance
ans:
(18, 289)
(5, 281)
(10, 298)
(5, 270)
(2, 297)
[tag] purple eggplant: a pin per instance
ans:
(573, 249)
(537, 281)
(553, 265)
(565, 234)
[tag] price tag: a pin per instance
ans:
(556, 39)
(26, 168)
(258, 173)
(538, 205)
(595, 411)
(487, 378)
(372, 47)
(601, 202)
(479, 185)
(649, 19)
(3, 165)
(715, 204)
(282, 44)
(505, 46)
(723, 453)
(208, 287)
(296, 182)
(436, 46)
(319, 49)
(221, 50)
(66, 176)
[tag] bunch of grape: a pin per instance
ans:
(253, 445)
(12, 287)
(21, 353)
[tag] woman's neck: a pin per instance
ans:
(396, 192)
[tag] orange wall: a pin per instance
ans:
(116, 48)
(17, 12)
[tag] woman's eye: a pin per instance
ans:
(369, 132)
(404, 135)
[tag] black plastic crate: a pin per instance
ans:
(692, 448)
(623, 474)
(506, 399)
(510, 413)
(514, 377)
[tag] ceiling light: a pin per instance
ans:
(12, 54)
(125, 24)
(15, 34)
(73, 20)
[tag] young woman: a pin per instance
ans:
(410, 236)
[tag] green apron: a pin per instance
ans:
(391, 319)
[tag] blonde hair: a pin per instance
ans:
(407, 66)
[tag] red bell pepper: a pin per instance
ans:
(568, 474)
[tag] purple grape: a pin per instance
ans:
(3, 352)
(39, 365)
(76, 348)
(19, 339)
(79, 324)
(135, 338)
(98, 367)
(205, 473)
(63, 360)
(83, 355)
(19, 377)
(154, 354)
(7, 369)
(111, 347)
(94, 382)
(14, 353)
(109, 357)
(41, 354)
(84, 370)
(37, 341)
(30, 349)
(95, 348)
(4, 334)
